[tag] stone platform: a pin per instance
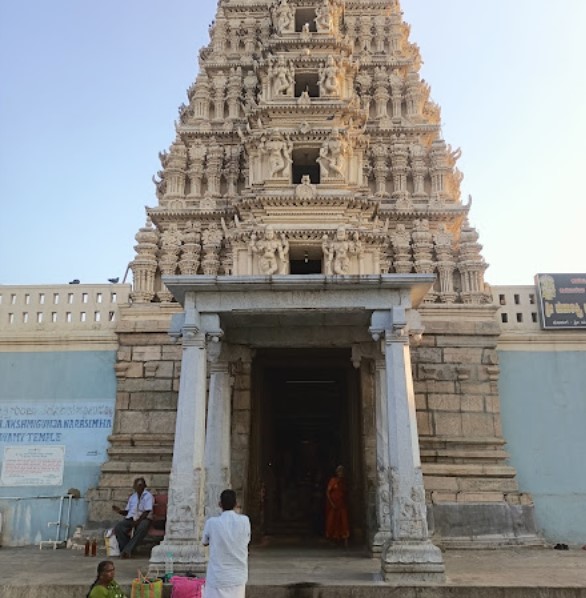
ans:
(287, 572)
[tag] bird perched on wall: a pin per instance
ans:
(114, 280)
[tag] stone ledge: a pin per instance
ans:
(471, 470)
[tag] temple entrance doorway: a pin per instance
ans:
(307, 415)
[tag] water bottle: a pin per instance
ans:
(168, 566)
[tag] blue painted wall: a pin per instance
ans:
(54, 399)
(543, 403)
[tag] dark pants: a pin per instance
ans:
(124, 528)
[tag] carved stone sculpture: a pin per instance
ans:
(329, 79)
(283, 78)
(401, 242)
(324, 18)
(273, 253)
(170, 241)
(337, 252)
(283, 18)
(332, 156)
(279, 151)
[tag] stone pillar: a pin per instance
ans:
(383, 493)
(217, 446)
(409, 556)
(185, 514)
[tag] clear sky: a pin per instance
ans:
(89, 92)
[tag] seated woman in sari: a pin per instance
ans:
(104, 586)
(337, 527)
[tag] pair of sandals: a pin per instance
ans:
(561, 547)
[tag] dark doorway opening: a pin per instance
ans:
(305, 266)
(305, 16)
(306, 82)
(306, 416)
(305, 163)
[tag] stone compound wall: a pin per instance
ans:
(472, 492)
(147, 371)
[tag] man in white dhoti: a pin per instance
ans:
(228, 536)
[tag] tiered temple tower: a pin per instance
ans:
(309, 155)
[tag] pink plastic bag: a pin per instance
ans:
(187, 587)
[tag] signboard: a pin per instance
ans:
(33, 466)
(75, 424)
(562, 300)
(37, 436)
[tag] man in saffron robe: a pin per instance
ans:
(337, 527)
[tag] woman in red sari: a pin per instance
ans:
(337, 527)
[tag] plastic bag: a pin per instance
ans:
(187, 587)
(112, 548)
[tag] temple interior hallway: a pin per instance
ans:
(306, 411)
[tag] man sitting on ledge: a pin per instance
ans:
(137, 515)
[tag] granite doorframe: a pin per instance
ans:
(389, 300)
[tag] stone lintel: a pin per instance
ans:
(223, 294)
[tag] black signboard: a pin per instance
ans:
(562, 300)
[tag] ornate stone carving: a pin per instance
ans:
(401, 242)
(282, 77)
(329, 79)
(234, 92)
(191, 249)
(422, 247)
(418, 169)
(283, 17)
(279, 148)
(332, 156)
(170, 241)
(381, 94)
(212, 243)
(305, 190)
(273, 253)
(471, 266)
(214, 163)
(399, 168)
(201, 97)
(446, 264)
(324, 21)
(232, 168)
(380, 156)
(144, 265)
(337, 252)
(250, 87)
(197, 155)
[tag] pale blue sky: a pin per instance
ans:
(89, 93)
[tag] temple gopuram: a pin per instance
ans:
(308, 291)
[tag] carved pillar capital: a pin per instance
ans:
(396, 325)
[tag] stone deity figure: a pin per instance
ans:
(283, 18)
(273, 252)
(332, 156)
(283, 79)
(305, 190)
(323, 19)
(329, 78)
(279, 150)
(337, 252)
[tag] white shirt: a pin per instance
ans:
(228, 536)
(136, 507)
